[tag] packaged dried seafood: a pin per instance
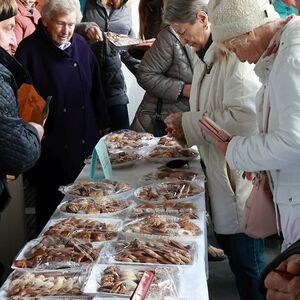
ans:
(128, 139)
(116, 280)
(163, 226)
(120, 159)
(122, 41)
(55, 252)
(86, 229)
(177, 209)
(165, 154)
(173, 174)
(102, 206)
(165, 251)
(91, 188)
(167, 141)
(29, 284)
(168, 191)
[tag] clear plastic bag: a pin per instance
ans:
(54, 252)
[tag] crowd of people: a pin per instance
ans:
(237, 62)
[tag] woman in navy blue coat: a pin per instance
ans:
(62, 65)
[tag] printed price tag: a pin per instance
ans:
(100, 151)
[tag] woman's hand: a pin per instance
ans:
(174, 127)
(94, 33)
(186, 90)
(222, 146)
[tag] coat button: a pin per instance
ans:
(65, 110)
(291, 199)
(83, 141)
(82, 107)
(75, 64)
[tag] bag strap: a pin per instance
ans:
(159, 106)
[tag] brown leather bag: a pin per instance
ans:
(259, 217)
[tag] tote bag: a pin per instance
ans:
(259, 217)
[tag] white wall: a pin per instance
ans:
(134, 91)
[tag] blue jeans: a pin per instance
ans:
(118, 115)
(246, 260)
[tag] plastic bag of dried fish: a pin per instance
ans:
(116, 280)
(54, 252)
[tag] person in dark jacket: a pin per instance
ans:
(101, 16)
(281, 278)
(19, 142)
(63, 66)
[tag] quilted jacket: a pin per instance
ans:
(164, 70)
(20, 145)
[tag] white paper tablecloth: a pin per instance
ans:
(194, 281)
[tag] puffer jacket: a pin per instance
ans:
(224, 89)
(20, 145)
(164, 70)
(279, 149)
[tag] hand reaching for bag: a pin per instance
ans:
(174, 127)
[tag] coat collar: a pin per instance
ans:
(10, 63)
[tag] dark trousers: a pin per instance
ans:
(246, 260)
(119, 117)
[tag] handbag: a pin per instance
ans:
(159, 126)
(259, 216)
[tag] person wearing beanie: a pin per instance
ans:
(223, 89)
(273, 45)
(26, 19)
(19, 142)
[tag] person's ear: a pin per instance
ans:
(202, 18)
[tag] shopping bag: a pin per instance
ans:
(32, 107)
(214, 130)
(259, 217)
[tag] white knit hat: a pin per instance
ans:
(232, 18)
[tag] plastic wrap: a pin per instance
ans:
(120, 159)
(53, 284)
(160, 225)
(164, 154)
(169, 174)
(146, 251)
(54, 252)
(85, 229)
(168, 191)
(128, 140)
(178, 209)
(91, 188)
(102, 206)
(116, 280)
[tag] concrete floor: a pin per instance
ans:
(221, 282)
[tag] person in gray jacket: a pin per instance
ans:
(165, 73)
(19, 142)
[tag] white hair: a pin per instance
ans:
(50, 7)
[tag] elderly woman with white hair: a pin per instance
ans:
(63, 66)
(224, 89)
(254, 32)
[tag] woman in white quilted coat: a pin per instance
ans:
(224, 89)
(274, 46)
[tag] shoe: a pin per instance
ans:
(215, 254)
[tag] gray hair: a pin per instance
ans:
(181, 11)
(50, 7)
